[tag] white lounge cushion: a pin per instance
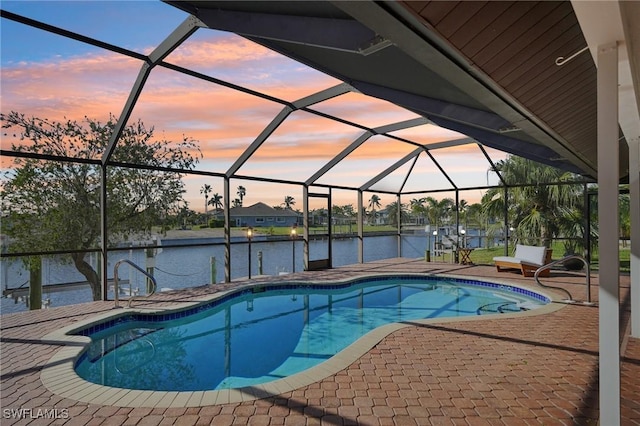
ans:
(530, 254)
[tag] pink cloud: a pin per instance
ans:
(224, 121)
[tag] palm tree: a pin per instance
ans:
(288, 202)
(216, 201)
(242, 191)
(462, 211)
(236, 203)
(537, 209)
(374, 202)
(474, 215)
(392, 209)
(418, 208)
(439, 212)
(206, 190)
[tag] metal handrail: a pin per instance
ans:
(549, 265)
(115, 281)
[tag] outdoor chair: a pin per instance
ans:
(527, 259)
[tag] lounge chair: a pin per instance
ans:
(527, 259)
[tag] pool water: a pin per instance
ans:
(258, 337)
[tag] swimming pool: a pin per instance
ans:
(265, 333)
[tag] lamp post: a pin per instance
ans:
(427, 252)
(435, 241)
(249, 236)
(294, 234)
(510, 236)
(464, 238)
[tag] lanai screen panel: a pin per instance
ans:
(153, 22)
(276, 195)
(196, 186)
(364, 110)
(368, 160)
(395, 180)
(31, 197)
(299, 147)
(54, 84)
(223, 121)
(466, 165)
(237, 60)
(426, 177)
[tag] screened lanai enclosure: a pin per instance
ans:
(212, 141)
(164, 146)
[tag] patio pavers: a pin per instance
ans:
(509, 371)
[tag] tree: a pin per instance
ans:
(474, 217)
(55, 205)
(392, 209)
(242, 191)
(288, 202)
(374, 202)
(185, 216)
(206, 190)
(463, 207)
(439, 211)
(537, 209)
(418, 208)
(216, 201)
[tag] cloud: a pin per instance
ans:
(225, 121)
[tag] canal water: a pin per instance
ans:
(185, 267)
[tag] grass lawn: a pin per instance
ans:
(479, 256)
(482, 256)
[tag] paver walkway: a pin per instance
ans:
(536, 370)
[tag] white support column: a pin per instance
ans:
(608, 175)
(634, 198)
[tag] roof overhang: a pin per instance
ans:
(400, 52)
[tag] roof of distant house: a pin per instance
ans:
(261, 209)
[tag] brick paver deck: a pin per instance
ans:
(534, 370)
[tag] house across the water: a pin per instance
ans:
(260, 214)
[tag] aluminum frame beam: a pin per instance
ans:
(390, 169)
(362, 139)
(179, 35)
(168, 45)
(305, 102)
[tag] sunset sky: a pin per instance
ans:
(45, 75)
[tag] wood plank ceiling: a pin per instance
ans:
(516, 43)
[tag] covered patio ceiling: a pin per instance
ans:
(513, 76)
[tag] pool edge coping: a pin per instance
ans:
(60, 378)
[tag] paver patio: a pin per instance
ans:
(533, 370)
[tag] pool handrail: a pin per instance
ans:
(556, 262)
(116, 278)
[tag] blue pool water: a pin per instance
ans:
(260, 335)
